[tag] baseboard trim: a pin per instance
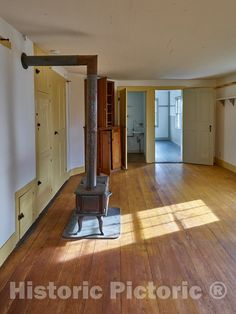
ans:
(225, 164)
(14, 240)
(11, 243)
(76, 171)
(8, 248)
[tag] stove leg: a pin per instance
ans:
(100, 224)
(80, 221)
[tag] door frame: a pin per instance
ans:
(144, 92)
(52, 78)
(182, 133)
(150, 110)
(213, 123)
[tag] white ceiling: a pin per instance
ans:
(135, 39)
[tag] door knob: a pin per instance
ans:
(21, 216)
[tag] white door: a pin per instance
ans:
(198, 126)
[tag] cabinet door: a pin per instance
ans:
(41, 80)
(105, 152)
(42, 83)
(59, 130)
(116, 151)
(26, 206)
(43, 149)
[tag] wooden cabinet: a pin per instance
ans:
(106, 103)
(104, 152)
(109, 150)
(109, 155)
(115, 148)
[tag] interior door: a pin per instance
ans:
(59, 130)
(123, 127)
(198, 126)
(43, 149)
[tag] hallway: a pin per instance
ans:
(167, 151)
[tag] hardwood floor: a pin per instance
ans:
(178, 225)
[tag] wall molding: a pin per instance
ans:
(8, 247)
(225, 164)
(76, 171)
(26, 188)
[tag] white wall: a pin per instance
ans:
(175, 134)
(76, 121)
(225, 146)
(136, 116)
(17, 126)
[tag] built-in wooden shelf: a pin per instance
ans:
(5, 42)
(231, 99)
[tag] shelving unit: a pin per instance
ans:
(231, 99)
(110, 103)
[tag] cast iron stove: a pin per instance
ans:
(93, 202)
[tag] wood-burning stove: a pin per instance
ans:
(92, 194)
(93, 202)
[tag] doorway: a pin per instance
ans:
(168, 126)
(136, 125)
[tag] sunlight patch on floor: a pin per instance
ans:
(150, 224)
(164, 220)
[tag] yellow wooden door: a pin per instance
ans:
(26, 212)
(42, 82)
(59, 131)
(43, 149)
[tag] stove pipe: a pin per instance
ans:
(91, 132)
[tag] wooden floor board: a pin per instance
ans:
(178, 225)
